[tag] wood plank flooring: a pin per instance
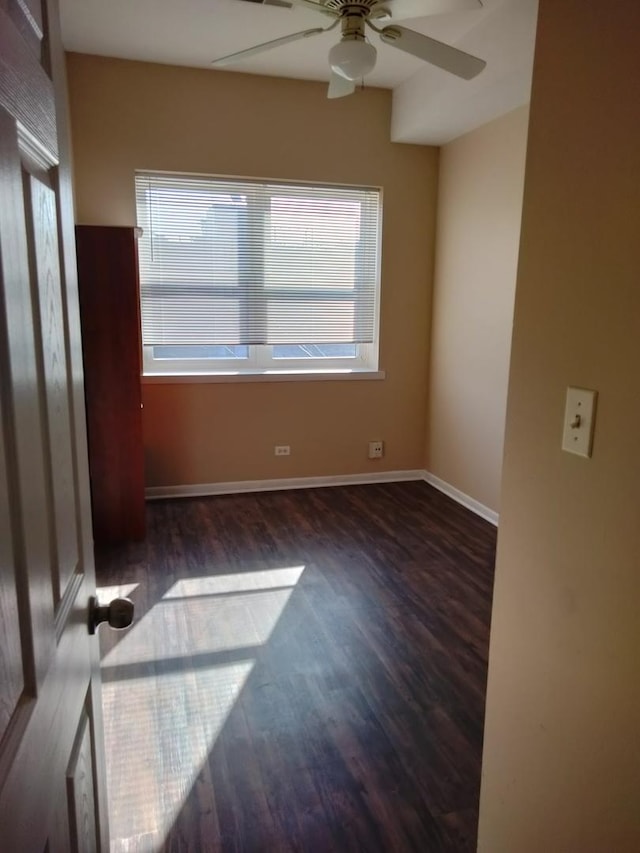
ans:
(307, 672)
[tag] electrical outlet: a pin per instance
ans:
(282, 450)
(376, 449)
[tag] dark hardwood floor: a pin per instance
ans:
(307, 672)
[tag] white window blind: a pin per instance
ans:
(243, 262)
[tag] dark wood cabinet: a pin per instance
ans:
(109, 311)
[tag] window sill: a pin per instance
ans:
(262, 376)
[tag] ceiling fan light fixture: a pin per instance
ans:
(352, 58)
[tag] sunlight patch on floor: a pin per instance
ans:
(238, 582)
(213, 625)
(176, 720)
(170, 685)
(123, 590)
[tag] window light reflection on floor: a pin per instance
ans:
(169, 686)
(124, 590)
(217, 613)
(220, 584)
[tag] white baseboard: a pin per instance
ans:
(460, 497)
(198, 490)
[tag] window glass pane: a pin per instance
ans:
(229, 352)
(312, 242)
(320, 322)
(315, 351)
(190, 234)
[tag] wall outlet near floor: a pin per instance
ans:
(376, 449)
(282, 450)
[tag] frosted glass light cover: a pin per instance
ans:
(353, 58)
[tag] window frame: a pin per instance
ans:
(260, 360)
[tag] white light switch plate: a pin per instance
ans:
(579, 417)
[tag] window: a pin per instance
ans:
(246, 276)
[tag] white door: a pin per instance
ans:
(51, 748)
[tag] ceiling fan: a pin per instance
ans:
(353, 57)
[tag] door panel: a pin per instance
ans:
(28, 18)
(21, 415)
(82, 824)
(27, 95)
(51, 754)
(11, 676)
(48, 308)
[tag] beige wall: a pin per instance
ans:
(477, 237)
(561, 767)
(128, 116)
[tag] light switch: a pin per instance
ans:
(579, 417)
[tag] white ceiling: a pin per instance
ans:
(430, 106)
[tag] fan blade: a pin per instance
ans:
(402, 9)
(317, 7)
(339, 86)
(436, 52)
(267, 45)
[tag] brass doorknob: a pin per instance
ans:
(118, 613)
